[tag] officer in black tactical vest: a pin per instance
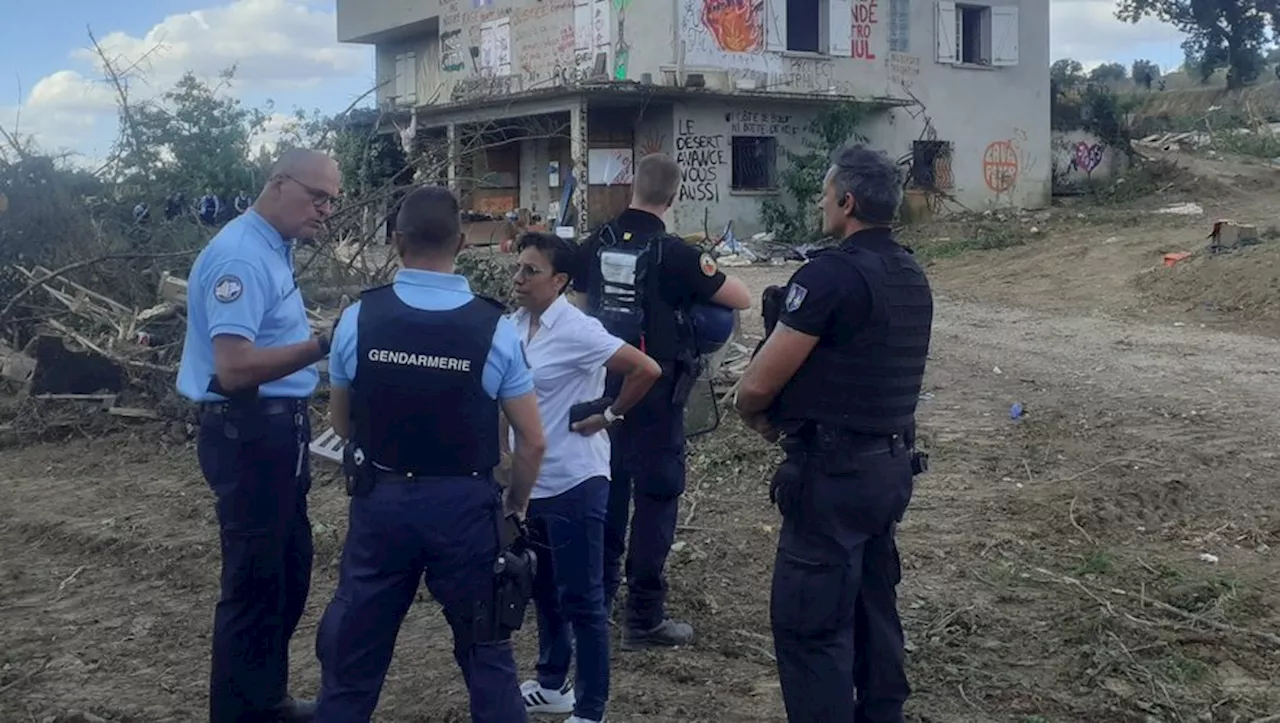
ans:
(419, 369)
(838, 378)
(641, 281)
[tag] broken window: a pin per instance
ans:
(755, 163)
(931, 164)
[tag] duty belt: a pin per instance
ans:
(827, 438)
(264, 406)
(387, 475)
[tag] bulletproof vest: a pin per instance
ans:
(625, 295)
(417, 399)
(868, 382)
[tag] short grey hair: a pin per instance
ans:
(871, 178)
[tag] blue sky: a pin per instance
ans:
(286, 50)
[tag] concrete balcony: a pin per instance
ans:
(382, 21)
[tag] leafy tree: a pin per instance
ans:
(1220, 33)
(1143, 70)
(1066, 74)
(795, 219)
(193, 138)
(1108, 73)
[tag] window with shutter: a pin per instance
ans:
(840, 40)
(1004, 36)
(945, 29)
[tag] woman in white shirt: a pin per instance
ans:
(570, 353)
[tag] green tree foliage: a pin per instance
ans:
(1066, 74)
(793, 217)
(1142, 67)
(1108, 73)
(1226, 34)
(193, 138)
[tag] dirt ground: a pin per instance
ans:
(1110, 556)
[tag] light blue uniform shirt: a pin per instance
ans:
(242, 283)
(506, 373)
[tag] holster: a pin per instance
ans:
(770, 310)
(688, 367)
(515, 569)
(358, 470)
(919, 458)
(786, 489)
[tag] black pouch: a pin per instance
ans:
(516, 568)
(358, 470)
(786, 489)
(688, 367)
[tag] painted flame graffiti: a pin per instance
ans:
(736, 24)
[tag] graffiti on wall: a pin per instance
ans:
(737, 26)
(451, 51)
(726, 34)
(621, 48)
(701, 157)
(751, 123)
(1087, 156)
(651, 143)
(903, 69)
(1004, 162)
(864, 21)
(1000, 166)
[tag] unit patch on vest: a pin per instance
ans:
(795, 296)
(708, 264)
(228, 288)
(429, 361)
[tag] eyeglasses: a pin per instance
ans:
(527, 271)
(319, 196)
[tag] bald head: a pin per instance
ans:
(300, 162)
(299, 194)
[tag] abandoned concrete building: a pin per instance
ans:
(523, 95)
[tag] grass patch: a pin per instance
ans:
(1244, 143)
(980, 236)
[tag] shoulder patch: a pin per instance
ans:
(228, 288)
(708, 264)
(795, 296)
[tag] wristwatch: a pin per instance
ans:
(610, 417)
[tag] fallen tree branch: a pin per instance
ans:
(4, 313)
(1165, 607)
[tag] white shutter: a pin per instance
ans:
(775, 25)
(1004, 35)
(841, 36)
(399, 86)
(410, 94)
(946, 31)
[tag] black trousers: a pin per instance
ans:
(834, 605)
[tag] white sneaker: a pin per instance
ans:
(576, 719)
(545, 700)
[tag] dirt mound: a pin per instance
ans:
(1245, 283)
(1163, 110)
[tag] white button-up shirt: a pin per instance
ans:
(568, 354)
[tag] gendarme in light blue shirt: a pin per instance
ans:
(242, 283)
(506, 373)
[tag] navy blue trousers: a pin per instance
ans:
(568, 532)
(647, 469)
(445, 529)
(259, 471)
(834, 605)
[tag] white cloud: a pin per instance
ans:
(276, 45)
(1088, 31)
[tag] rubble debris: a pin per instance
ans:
(1228, 235)
(59, 370)
(1183, 209)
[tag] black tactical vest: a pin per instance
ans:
(417, 399)
(625, 294)
(869, 382)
